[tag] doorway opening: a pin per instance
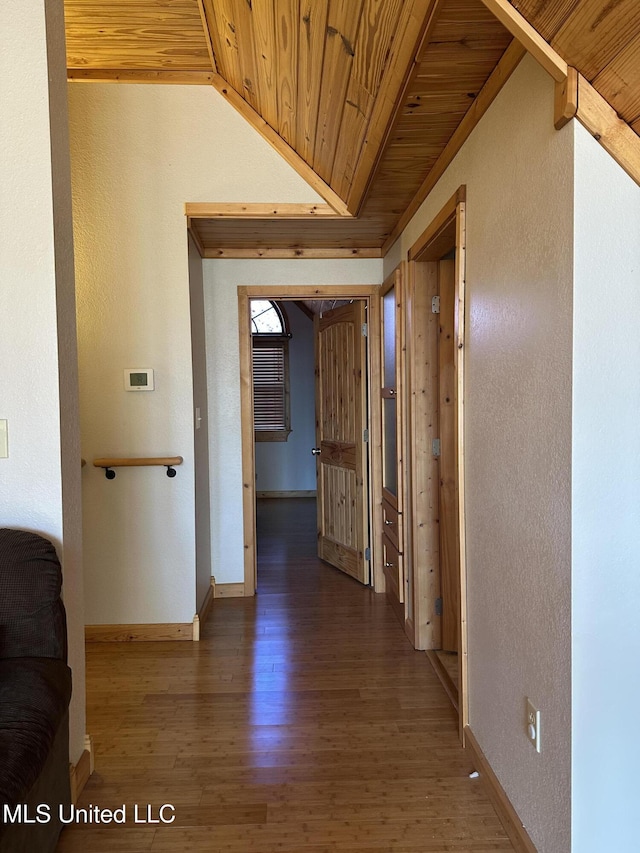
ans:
(346, 472)
(436, 314)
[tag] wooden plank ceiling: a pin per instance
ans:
(367, 93)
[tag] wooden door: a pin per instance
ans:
(341, 464)
(448, 461)
(392, 444)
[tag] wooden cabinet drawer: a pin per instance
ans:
(392, 524)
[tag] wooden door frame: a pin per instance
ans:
(446, 232)
(291, 293)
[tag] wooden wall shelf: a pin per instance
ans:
(111, 462)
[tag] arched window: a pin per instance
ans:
(270, 336)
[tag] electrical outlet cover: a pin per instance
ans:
(533, 725)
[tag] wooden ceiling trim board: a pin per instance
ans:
(295, 252)
(596, 32)
(270, 135)
(266, 59)
(342, 29)
(530, 38)
(207, 33)
(310, 62)
(240, 210)
(503, 70)
(388, 105)
(604, 124)
(112, 75)
(546, 18)
(619, 82)
(566, 100)
(287, 23)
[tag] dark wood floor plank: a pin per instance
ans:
(302, 721)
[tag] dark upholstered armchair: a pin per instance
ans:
(35, 689)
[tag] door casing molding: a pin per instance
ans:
(282, 293)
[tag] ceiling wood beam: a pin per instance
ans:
(529, 38)
(304, 308)
(607, 128)
(292, 252)
(389, 103)
(204, 210)
(284, 149)
(503, 70)
(566, 100)
(114, 75)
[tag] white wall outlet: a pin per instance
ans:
(4, 439)
(533, 725)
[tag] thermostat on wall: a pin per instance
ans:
(138, 379)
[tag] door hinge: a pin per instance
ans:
(365, 435)
(438, 606)
(435, 448)
(367, 553)
(365, 330)
(435, 305)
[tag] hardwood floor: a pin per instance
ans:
(302, 721)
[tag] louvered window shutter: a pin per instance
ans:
(269, 386)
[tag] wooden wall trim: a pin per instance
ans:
(292, 253)
(79, 773)
(607, 128)
(145, 632)
(111, 75)
(292, 292)
(283, 148)
(203, 613)
(504, 69)
(444, 216)
(239, 210)
(506, 812)
(528, 37)
(229, 590)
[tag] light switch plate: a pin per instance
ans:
(4, 439)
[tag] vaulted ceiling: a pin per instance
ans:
(368, 99)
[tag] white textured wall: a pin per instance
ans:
(221, 281)
(138, 154)
(519, 177)
(40, 481)
(606, 502)
(288, 465)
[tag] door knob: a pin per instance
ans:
(315, 451)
